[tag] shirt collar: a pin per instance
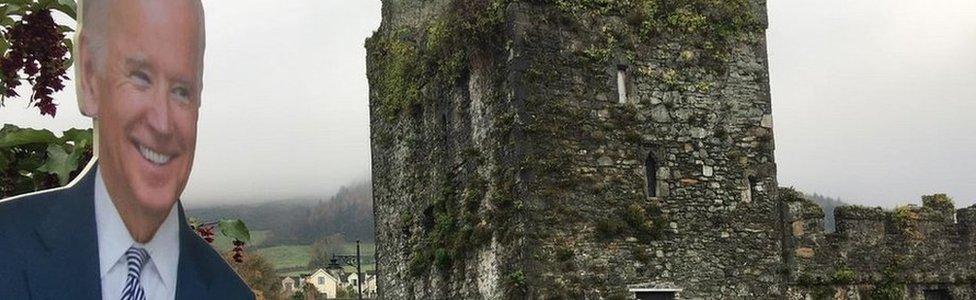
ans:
(114, 239)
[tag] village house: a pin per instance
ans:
(327, 284)
(369, 284)
(292, 284)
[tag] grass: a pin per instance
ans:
(286, 257)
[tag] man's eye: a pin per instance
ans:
(181, 93)
(141, 78)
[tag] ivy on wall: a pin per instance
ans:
(407, 61)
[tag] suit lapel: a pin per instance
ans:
(193, 277)
(70, 266)
(68, 233)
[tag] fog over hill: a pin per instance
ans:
(349, 212)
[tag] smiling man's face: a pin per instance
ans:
(146, 100)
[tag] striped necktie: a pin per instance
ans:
(135, 259)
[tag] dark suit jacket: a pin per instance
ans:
(49, 250)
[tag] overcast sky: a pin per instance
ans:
(873, 103)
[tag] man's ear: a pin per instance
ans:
(87, 79)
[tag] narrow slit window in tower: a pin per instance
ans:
(750, 189)
(650, 171)
(622, 84)
(753, 185)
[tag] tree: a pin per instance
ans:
(298, 295)
(258, 273)
(323, 249)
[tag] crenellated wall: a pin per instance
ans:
(909, 251)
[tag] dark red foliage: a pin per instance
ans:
(206, 232)
(37, 50)
(238, 251)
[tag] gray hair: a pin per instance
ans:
(93, 19)
(93, 22)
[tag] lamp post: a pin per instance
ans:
(348, 260)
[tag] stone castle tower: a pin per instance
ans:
(574, 149)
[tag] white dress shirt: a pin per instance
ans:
(159, 274)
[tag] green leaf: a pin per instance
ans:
(16, 2)
(68, 62)
(4, 45)
(11, 135)
(60, 163)
(30, 163)
(69, 43)
(68, 7)
(4, 161)
(234, 228)
(14, 7)
(81, 138)
(6, 20)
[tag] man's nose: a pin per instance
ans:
(159, 118)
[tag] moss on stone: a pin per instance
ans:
(857, 212)
(442, 258)
(905, 219)
(397, 62)
(420, 261)
(517, 279)
(940, 203)
(844, 275)
(404, 61)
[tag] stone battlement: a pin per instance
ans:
(920, 246)
(936, 219)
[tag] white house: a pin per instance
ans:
(325, 283)
(351, 280)
(369, 284)
(288, 285)
(292, 284)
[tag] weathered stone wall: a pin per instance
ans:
(874, 252)
(708, 127)
(505, 165)
(516, 173)
(444, 160)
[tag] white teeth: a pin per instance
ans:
(153, 156)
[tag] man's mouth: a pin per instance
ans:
(153, 156)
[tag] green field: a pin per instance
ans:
(287, 258)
